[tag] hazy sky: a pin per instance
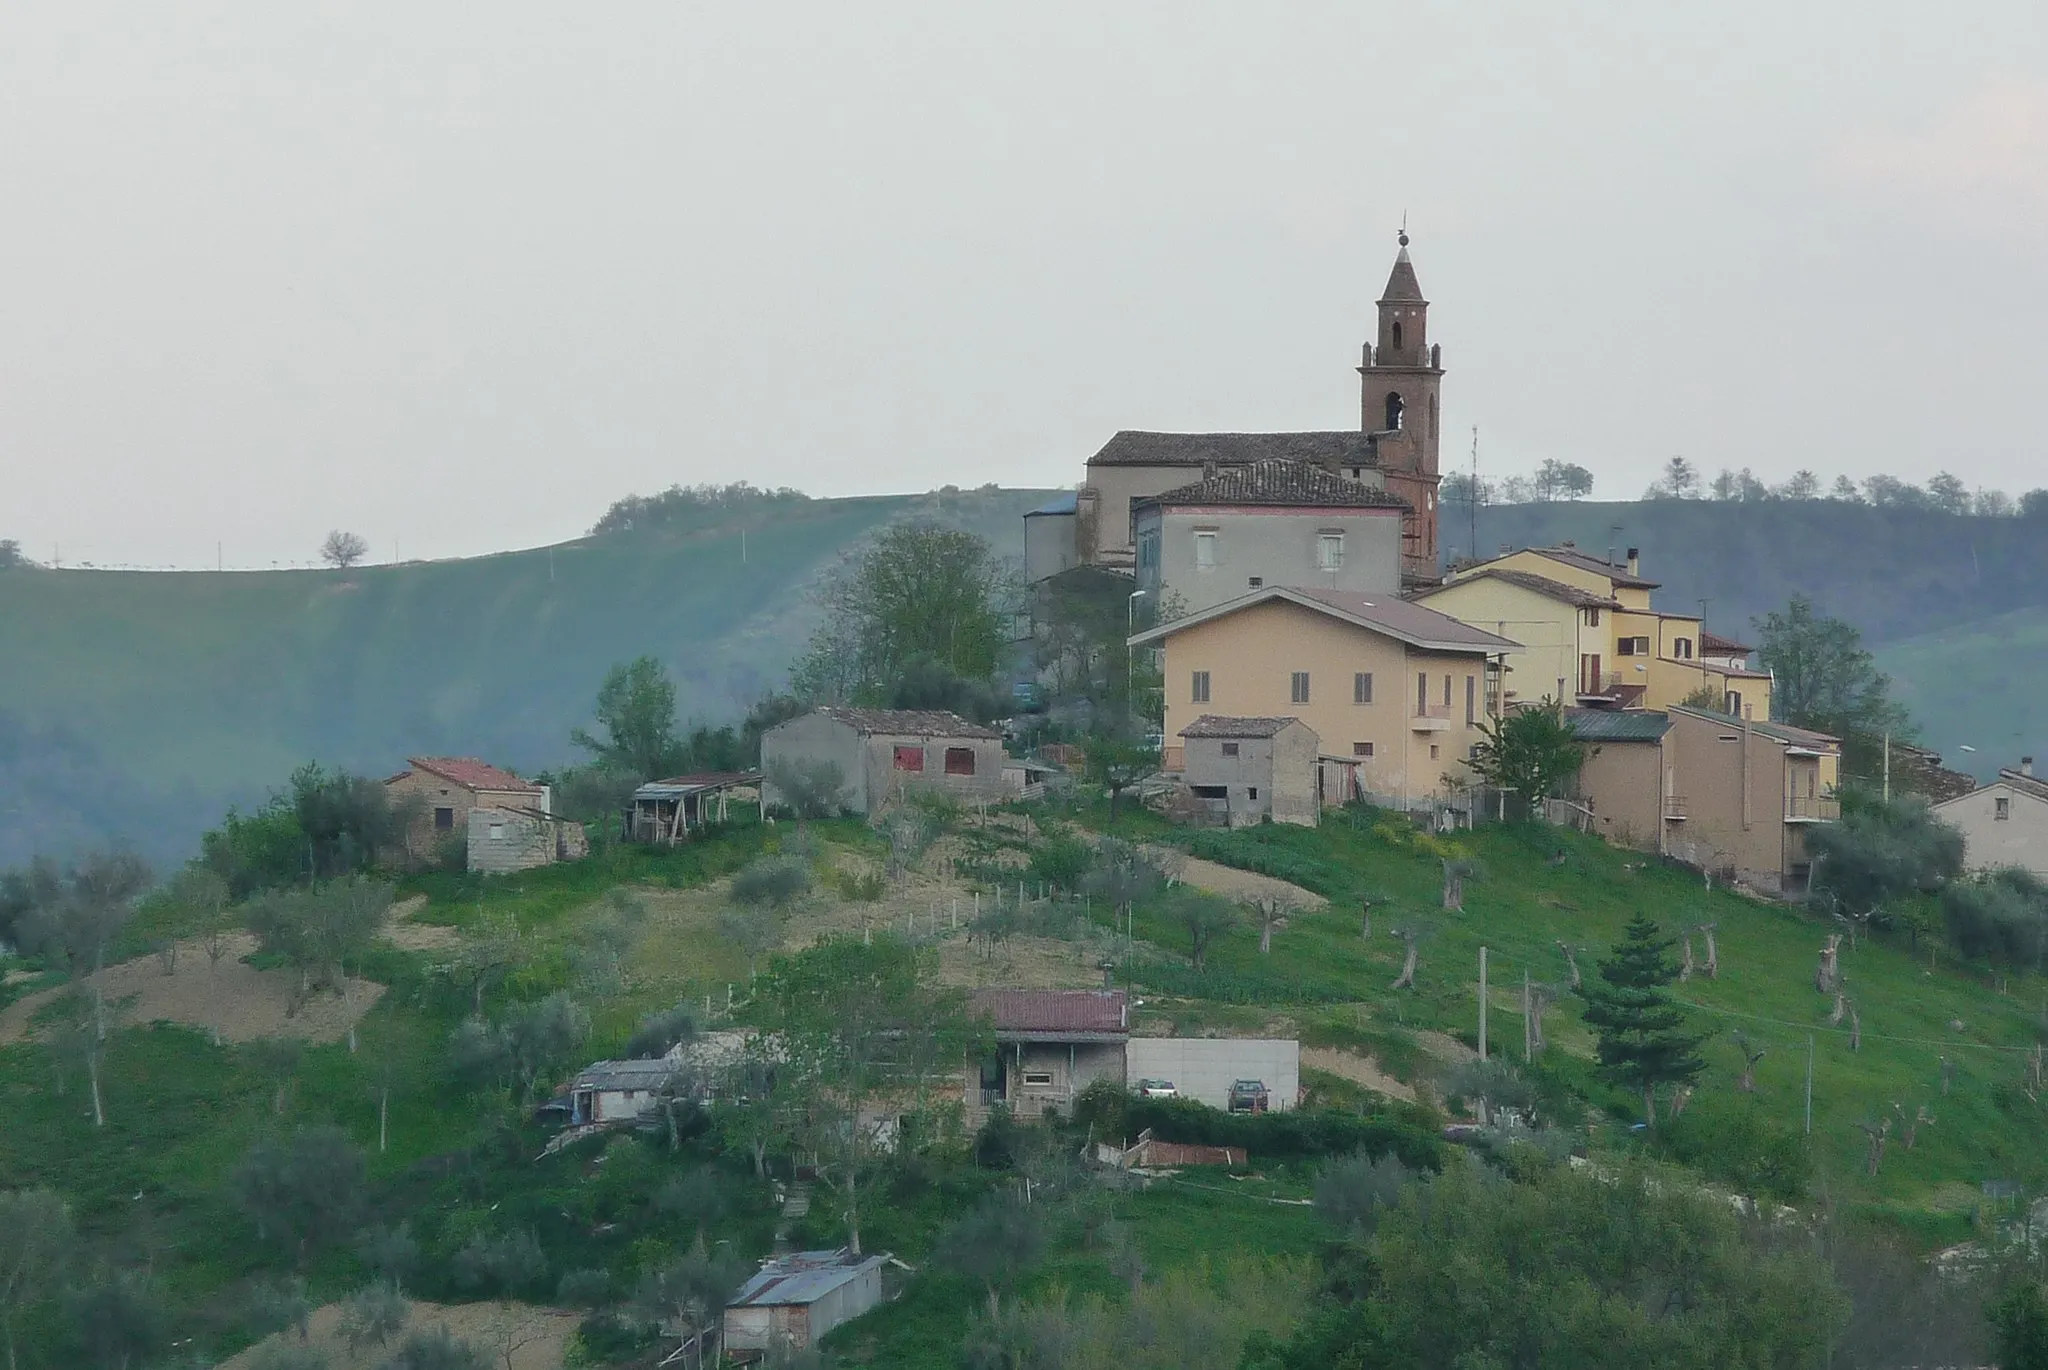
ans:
(456, 276)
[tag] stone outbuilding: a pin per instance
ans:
(501, 841)
(446, 788)
(794, 1300)
(1246, 769)
(884, 755)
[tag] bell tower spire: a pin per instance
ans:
(1402, 375)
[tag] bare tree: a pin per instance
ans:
(1685, 960)
(1828, 975)
(373, 1315)
(1713, 966)
(1877, 1134)
(1456, 873)
(1751, 1054)
(343, 550)
(1411, 936)
(1571, 962)
(1271, 911)
(1909, 1130)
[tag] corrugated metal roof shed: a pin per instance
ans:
(803, 1277)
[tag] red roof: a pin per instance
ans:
(1054, 1010)
(1713, 644)
(470, 773)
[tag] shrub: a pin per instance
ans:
(1351, 1192)
(1291, 1134)
(772, 882)
(1737, 1143)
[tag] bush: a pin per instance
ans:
(1291, 1134)
(1737, 1143)
(585, 1289)
(772, 882)
(439, 1349)
(1061, 863)
(510, 1264)
(1350, 1193)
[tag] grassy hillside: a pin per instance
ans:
(139, 704)
(152, 1185)
(1978, 684)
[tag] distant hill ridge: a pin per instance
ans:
(140, 704)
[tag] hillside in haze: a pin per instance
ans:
(141, 704)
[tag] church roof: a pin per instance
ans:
(1347, 447)
(1402, 287)
(1280, 481)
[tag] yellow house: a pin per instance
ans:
(1591, 636)
(1395, 691)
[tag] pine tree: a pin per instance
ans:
(1642, 1039)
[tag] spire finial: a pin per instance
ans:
(1404, 228)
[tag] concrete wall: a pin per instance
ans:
(2020, 839)
(1269, 775)
(1252, 654)
(1623, 782)
(1049, 545)
(1069, 1068)
(813, 738)
(1115, 487)
(1202, 1068)
(886, 784)
(1735, 783)
(1265, 547)
(1550, 631)
(501, 841)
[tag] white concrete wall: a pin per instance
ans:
(1202, 1068)
(1272, 546)
(2021, 839)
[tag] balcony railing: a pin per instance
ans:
(1812, 808)
(1674, 806)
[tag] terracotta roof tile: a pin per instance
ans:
(469, 773)
(1280, 481)
(907, 722)
(1133, 447)
(1053, 1010)
(1219, 725)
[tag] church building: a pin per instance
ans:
(1393, 454)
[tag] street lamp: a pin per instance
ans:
(1130, 652)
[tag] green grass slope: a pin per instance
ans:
(138, 704)
(1978, 684)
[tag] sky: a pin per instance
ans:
(456, 276)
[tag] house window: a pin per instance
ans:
(1199, 692)
(1255, 581)
(1592, 618)
(1732, 704)
(959, 761)
(1038, 1077)
(2001, 808)
(1681, 648)
(1421, 693)
(1211, 791)
(1434, 751)
(1205, 551)
(444, 819)
(1252, 794)
(1361, 688)
(1148, 550)
(1298, 688)
(1632, 646)
(1361, 749)
(1230, 749)
(497, 832)
(1447, 692)
(1471, 700)
(1329, 551)
(910, 758)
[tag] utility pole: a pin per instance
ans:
(1528, 1029)
(1887, 765)
(1473, 504)
(1809, 1083)
(1482, 1003)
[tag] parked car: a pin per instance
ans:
(1249, 1096)
(1157, 1089)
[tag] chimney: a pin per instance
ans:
(1209, 469)
(2026, 765)
(1635, 561)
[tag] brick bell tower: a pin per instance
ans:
(1402, 374)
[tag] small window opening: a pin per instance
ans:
(1394, 408)
(910, 758)
(1397, 334)
(1199, 691)
(959, 761)
(1230, 749)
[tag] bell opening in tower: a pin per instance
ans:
(1397, 335)
(1394, 408)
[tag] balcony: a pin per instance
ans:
(1674, 808)
(1810, 808)
(1431, 718)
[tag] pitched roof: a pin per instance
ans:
(1053, 1010)
(1542, 585)
(1220, 725)
(1615, 571)
(1279, 481)
(906, 722)
(675, 787)
(1402, 287)
(2028, 785)
(469, 773)
(621, 1075)
(1617, 725)
(1401, 619)
(1133, 447)
(1068, 503)
(1713, 644)
(1777, 732)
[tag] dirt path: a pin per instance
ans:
(537, 1338)
(1234, 883)
(402, 932)
(1358, 1069)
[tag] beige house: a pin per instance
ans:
(2004, 823)
(1050, 1045)
(1274, 522)
(888, 754)
(1247, 769)
(1591, 636)
(1713, 791)
(447, 788)
(1395, 692)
